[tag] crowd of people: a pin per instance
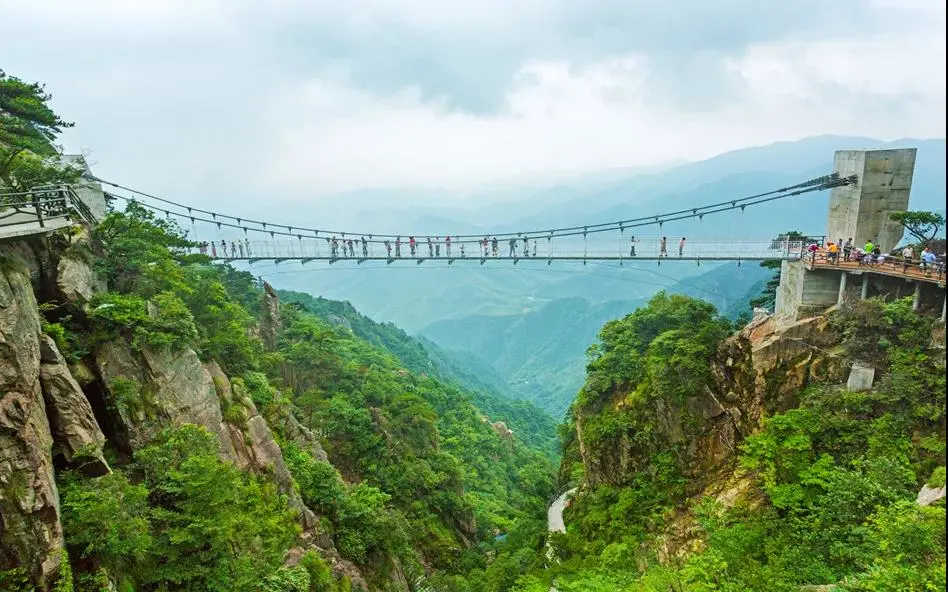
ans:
(871, 254)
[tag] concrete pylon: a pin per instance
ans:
(861, 211)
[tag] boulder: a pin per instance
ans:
(76, 281)
(73, 425)
(30, 532)
(929, 495)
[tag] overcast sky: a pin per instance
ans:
(320, 96)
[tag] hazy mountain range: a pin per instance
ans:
(537, 320)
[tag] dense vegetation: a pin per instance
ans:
(417, 473)
(830, 485)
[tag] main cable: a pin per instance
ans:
(816, 184)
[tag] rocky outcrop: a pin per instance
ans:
(757, 372)
(928, 495)
(73, 425)
(302, 436)
(269, 323)
(30, 531)
(76, 281)
(151, 390)
(253, 446)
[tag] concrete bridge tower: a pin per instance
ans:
(861, 211)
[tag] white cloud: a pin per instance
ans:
(217, 99)
(561, 117)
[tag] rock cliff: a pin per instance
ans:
(58, 413)
(756, 372)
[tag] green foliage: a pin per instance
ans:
(140, 251)
(192, 523)
(922, 225)
(28, 130)
(215, 527)
(64, 579)
(287, 579)
(534, 427)
(16, 580)
(107, 518)
(223, 326)
(170, 327)
(68, 342)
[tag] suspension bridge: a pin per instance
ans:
(228, 237)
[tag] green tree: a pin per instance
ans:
(107, 518)
(28, 130)
(216, 528)
(140, 252)
(922, 225)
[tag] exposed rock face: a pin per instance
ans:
(502, 430)
(72, 423)
(173, 388)
(269, 316)
(30, 532)
(76, 281)
(253, 446)
(929, 495)
(756, 373)
(296, 432)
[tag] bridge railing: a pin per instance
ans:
(42, 205)
(239, 247)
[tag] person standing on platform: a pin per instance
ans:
(681, 247)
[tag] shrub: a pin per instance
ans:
(170, 327)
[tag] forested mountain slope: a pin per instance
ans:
(205, 437)
(714, 461)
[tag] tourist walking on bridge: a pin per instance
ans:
(430, 248)
(447, 246)
(663, 247)
(681, 247)
(365, 247)
(398, 246)
(493, 246)
(213, 249)
(513, 247)
(632, 242)
(240, 247)
(437, 246)
(484, 244)
(388, 248)
(411, 245)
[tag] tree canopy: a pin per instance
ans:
(922, 225)
(28, 131)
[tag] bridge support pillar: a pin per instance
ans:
(864, 293)
(917, 296)
(842, 288)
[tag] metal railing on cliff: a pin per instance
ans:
(43, 207)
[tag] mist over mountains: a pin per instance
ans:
(537, 320)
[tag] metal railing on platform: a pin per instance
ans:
(41, 205)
